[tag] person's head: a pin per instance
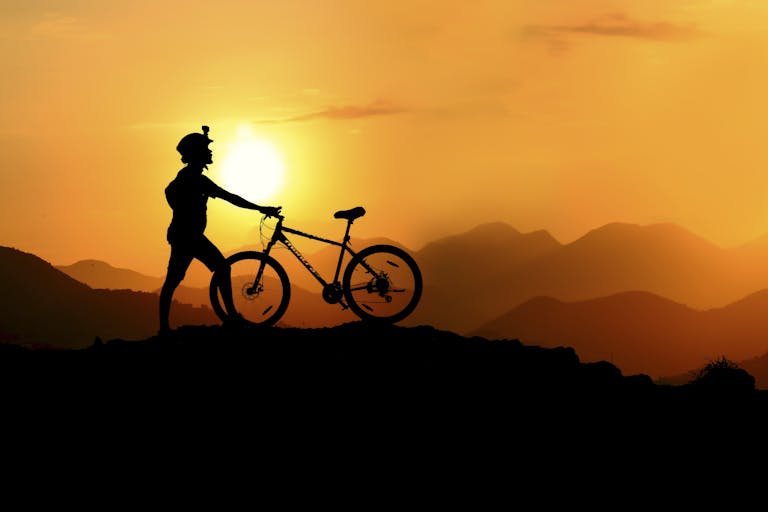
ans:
(194, 149)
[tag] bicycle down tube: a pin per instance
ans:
(279, 236)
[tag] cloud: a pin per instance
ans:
(60, 26)
(620, 25)
(345, 112)
(55, 26)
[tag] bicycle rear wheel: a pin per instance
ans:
(260, 303)
(382, 283)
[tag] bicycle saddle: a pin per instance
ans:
(350, 215)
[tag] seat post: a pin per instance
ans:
(346, 234)
(341, 253)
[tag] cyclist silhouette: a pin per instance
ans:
(187, 196)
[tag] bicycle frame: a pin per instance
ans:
(279, 236)
(373, 275)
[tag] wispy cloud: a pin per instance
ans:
(620, 25)
(61, 26)
(345, 112)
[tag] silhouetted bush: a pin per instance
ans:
(723, 375)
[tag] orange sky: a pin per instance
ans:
(434, 115)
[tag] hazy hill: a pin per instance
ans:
(661, 258)
(494, 244)
(306, 309)
(640, 332)
(471, 278)
(102, 275)
(461, 272)
(99, 274)
(43, 306)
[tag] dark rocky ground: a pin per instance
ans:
(418, 371)
(364, 396)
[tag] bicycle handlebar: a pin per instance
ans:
(278, 215)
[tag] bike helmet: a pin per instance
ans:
(193, 144)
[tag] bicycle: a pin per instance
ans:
(380, 283)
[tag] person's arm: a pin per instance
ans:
(244, 203)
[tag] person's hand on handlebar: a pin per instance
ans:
(271, 211)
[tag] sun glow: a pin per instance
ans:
(252, 167)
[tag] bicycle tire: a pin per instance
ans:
(264, 306)
(395, 275)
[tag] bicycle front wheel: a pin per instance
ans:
(382, 283)
(260, 288)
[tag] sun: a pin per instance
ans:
(252, 168)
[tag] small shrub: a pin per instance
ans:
(723, 375)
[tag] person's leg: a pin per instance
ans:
(212, 258)
(178, 263)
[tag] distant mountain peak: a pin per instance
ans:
(492, 240)
(630, 297)
(492, 232)
(493, 228)
(100, 274)
(616, 231)
(90, 263)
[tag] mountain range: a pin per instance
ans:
(44, 307)
(696, 300)
(100, 274)
(479, 275)
(473, 277)
(306, 309)
(641, 332)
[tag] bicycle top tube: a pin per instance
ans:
(280, 229)
(348, 215)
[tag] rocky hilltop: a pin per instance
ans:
(359, 370)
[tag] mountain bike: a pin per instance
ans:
(380, 283)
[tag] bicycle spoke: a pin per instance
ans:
(382, 282)
(262, 302)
